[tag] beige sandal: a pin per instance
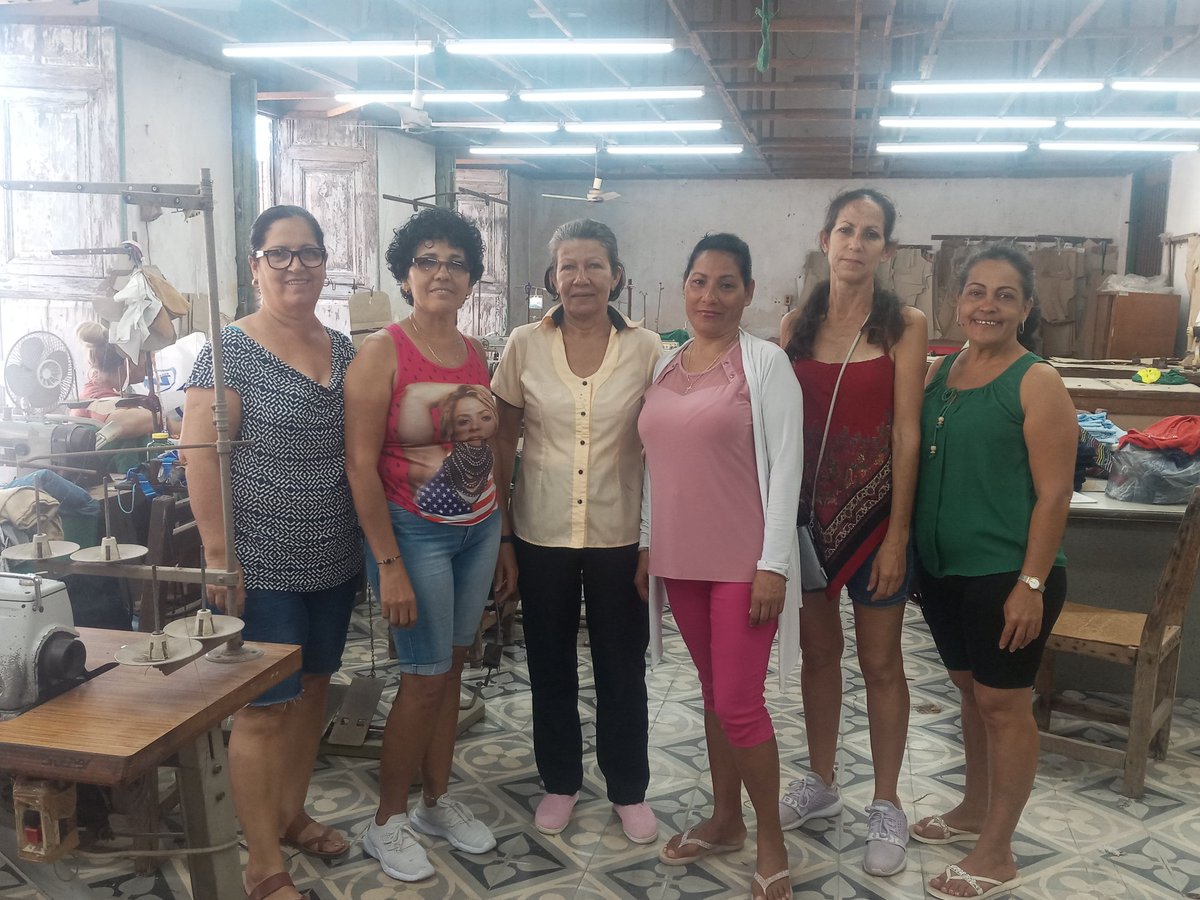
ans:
(950, 834)
(705, 849)
(765, 883)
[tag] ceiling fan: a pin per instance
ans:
(595, 194)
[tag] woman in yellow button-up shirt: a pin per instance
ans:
(574, 381)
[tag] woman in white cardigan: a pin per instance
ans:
(722, 426)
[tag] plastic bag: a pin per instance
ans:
(1138, 475)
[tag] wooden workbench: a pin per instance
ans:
(127, 721)
(1131, 404)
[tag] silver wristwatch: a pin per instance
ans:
(1034, 583)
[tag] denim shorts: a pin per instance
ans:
(856, 587)
(316, 620)
(451, 569)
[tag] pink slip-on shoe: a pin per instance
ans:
(638, 822)
(554, 812)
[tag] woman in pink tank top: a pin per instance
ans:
(861, 496)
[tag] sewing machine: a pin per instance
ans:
(40, 651)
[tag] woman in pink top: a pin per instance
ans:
(723, 432)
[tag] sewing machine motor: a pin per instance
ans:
(40, 650)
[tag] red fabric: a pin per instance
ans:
(854, 495)
(1171, 433)
(414, 440)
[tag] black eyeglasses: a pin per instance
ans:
(281, 257)
(429, 265)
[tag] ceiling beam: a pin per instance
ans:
(797, 115)
(881, 93)
(1088, 34)
(858, 21)
(786, 87)
(702, 54)
(827, 66)
(815, 25)
(930, 59)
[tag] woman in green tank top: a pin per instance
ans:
(998, 436)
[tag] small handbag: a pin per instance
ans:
(812, 565)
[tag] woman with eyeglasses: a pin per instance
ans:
(295, 536)
(573, 383)
(420, 420)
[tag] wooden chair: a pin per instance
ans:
(172, 540)
(1148, 642)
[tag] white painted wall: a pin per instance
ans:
(176, 120)
(406, 169)
(1183, 217)
(657, 223)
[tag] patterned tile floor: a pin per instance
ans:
(1078, 838)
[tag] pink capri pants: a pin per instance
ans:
(730, 656)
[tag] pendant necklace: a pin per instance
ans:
(949, 395)
(692, 378)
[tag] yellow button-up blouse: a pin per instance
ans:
(580, 479)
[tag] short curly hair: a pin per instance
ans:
(435, 224)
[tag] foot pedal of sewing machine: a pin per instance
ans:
(353, 719)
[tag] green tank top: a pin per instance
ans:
(975, 492)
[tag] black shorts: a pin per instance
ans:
(965, 614)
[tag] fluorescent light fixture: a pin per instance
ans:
(675, 149)
(537, 150)
(992, 147)
(966, 122)
(1120, 146)
(327, 49)
(641, 127)
(1183, 85)
(426, 96)
(1024, 86)
(1174, 123)
(585, 94)
(560, 47)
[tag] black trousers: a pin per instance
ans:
(618, 628)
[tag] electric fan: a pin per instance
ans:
(39, 373)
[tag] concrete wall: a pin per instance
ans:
(406, 168)
(657, 223)
(175, 121)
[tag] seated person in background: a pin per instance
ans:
(109, 372)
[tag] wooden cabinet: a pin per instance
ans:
(1125, 324)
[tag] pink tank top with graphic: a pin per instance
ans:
(436, 460)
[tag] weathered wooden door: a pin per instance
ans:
(58, 122)
(486, 310)
(329, 168)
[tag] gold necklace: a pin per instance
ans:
(693, 378)
(413, 321)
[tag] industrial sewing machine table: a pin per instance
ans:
(127, 721)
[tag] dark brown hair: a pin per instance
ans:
(885, 326)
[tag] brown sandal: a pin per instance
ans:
(270, 885)
(312, 846)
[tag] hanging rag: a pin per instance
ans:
(20, 508)
(764, 52)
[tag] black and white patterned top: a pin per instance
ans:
(294, 526)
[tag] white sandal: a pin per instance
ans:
(765, 883)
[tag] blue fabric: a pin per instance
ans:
(316, 620)
(856, 587)
(1100, 427)
(72, 499)
(451, 569)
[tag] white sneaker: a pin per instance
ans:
(887, 839)
(455, 822)
(811, 798)
(396, 847)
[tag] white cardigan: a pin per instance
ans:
(777, 417)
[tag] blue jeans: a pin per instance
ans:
(856, 587)
(451, 569)
(316, 620)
